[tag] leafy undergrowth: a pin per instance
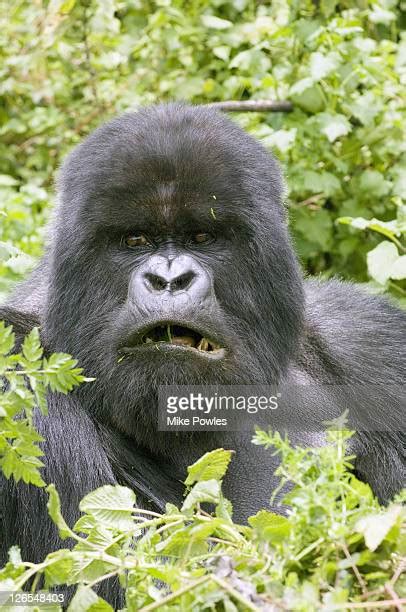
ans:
(336, 549)
(25, 377)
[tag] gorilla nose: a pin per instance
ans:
(161, 282)
(157, 282)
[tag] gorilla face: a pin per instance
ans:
(171, 261)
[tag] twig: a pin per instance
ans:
(258, 106)
(234, 593)
(175, 594)
(392, 593)
(312, 200)
(399, 570)
(360, 579)
(385, 603)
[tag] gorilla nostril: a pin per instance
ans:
(182, 282)
(155, 282)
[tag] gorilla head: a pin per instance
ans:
(171, 261)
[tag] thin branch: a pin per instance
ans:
(386, 603)
(257, 106)
(392, 593)
(360, 579)
(312, 200)
(399, 570)
(234, 593)
(172, 596)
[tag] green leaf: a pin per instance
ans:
(381, 15)
(398, 269)
(215, 23)
(270, 527)
(206, 491)
(380, 261)
(373, 182)
(111, 505)
(7, 181)
(213, 465)
(32, 349)
(376, 527)
(60, 570)
(222, 52)
(54, 509)
(366, 107)
(7, 338)
(86, 600)
(61, 373)
(308, 95)
(333, 126)
(321, 65)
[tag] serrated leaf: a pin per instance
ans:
(111, 505)
(86, 600)
(321, 65)
(270, 527)
(60, 570)
(213, 465)
(380, 261)
(7, 338)
(333, 125)
(31, 348)
(300, 86)
(206, 491)
(376, 527)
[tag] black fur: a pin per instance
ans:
(169, 172)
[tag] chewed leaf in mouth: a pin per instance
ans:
(180, 336)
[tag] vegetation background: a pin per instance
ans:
(68, 65)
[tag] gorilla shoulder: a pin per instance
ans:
(360, 336)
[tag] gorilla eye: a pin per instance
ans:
(132, 240)
(202, 238)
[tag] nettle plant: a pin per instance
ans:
(335, 549)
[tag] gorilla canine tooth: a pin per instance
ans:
(203, 345)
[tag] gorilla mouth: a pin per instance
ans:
(174, 336)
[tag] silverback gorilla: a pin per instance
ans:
(174, 216)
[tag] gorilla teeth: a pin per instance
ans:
(183, 341)
(180, 336)
(203, 345)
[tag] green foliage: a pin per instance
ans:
(387, 261)
(68, 65)
(25, 377)
(335, 547)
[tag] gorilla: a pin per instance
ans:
(170, 262)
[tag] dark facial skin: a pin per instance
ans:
(179, 228)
